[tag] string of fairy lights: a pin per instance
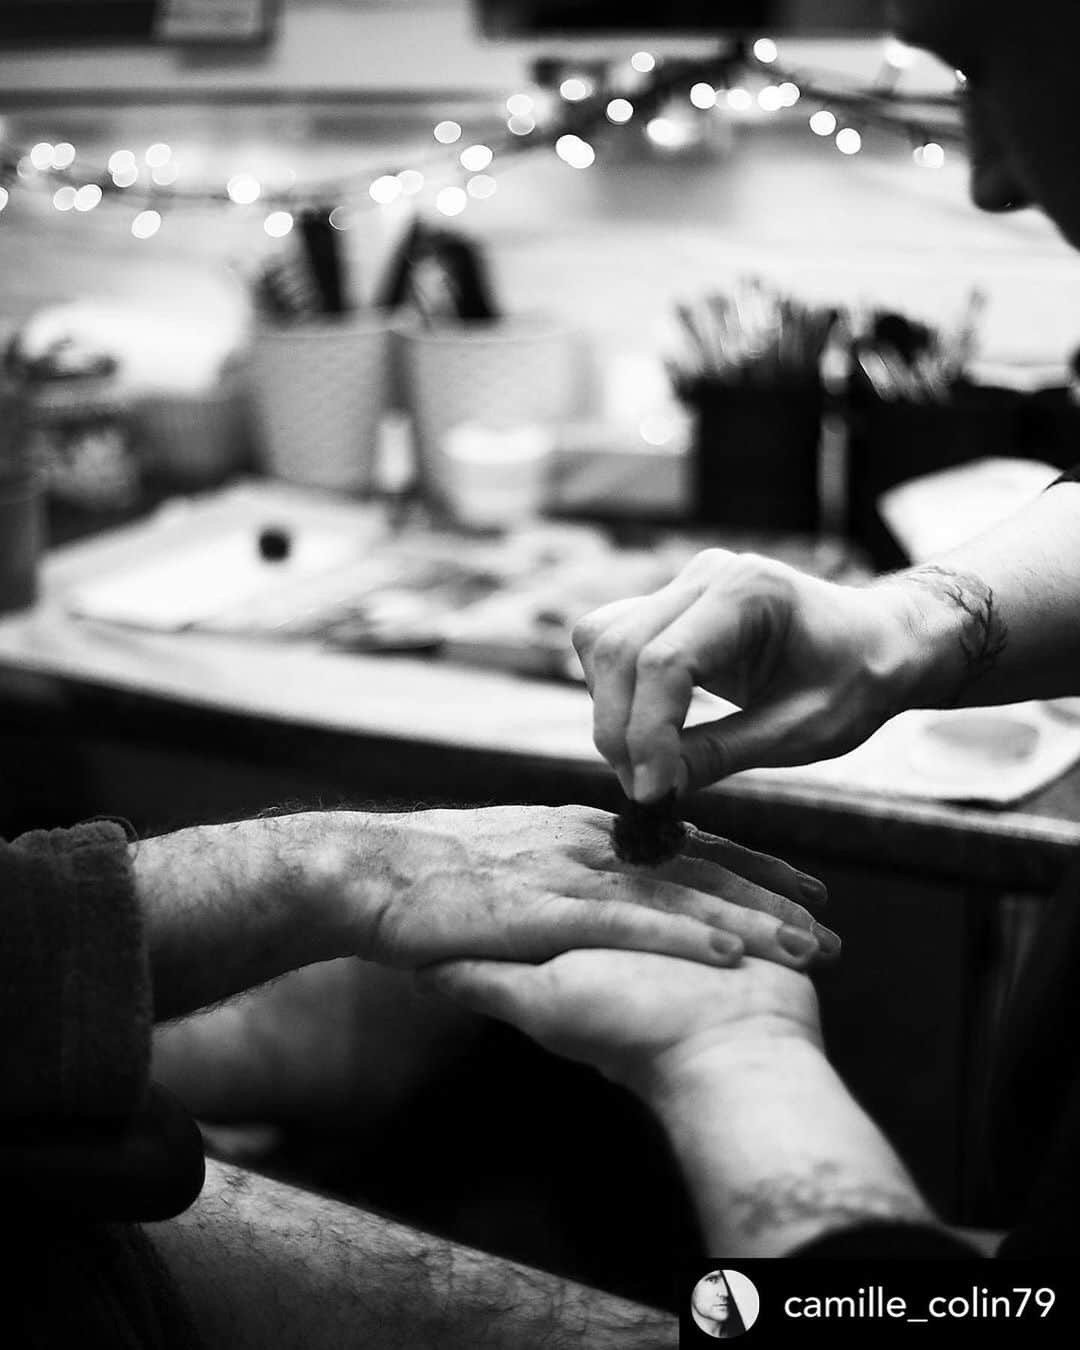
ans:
(571, 110)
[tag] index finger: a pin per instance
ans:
(610, 648)
(695, 646)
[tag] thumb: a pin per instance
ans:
(771, 736)
(490, 987)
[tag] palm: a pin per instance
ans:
(620, 1011)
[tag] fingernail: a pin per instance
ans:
(646, 784)
(726, 945)
(814, 892)
(797, 942)
(830, 941)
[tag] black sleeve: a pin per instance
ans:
(886, 1242)
(1071, 475)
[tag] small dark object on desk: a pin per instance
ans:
(648, 833)
(274, 543)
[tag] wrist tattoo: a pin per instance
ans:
(983, 635)
(823, 1197)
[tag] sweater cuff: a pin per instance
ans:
(75, 991)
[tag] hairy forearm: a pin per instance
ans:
(261, 1263)
(774, 1149)
(231, 906)
(997, 620)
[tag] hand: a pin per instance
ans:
(633, 1015)
(815, 668)
(523, 883)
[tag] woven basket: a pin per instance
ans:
(505, 374)
(319, 391)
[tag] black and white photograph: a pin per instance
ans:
(539, 672)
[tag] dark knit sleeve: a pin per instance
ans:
(75, 1007)
(1071, 475)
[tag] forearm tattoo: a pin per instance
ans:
(983, 635)
(824, 1198)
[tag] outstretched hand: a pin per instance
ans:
(524, 883)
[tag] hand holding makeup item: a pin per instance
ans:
(814, 668)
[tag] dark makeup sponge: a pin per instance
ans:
(648, 834)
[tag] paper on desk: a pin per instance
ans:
(937, 511)
(989, 755)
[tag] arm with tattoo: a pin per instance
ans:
(996, 620)
(775, 1151)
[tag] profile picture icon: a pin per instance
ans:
(724, 1304)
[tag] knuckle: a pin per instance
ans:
(584, 633)
(661, 659)
(609, 652)
(707, 562)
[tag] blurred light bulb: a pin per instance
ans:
(446, 133)
(574, 151)
(41, 155)
(385, 189)
(643, 62)
(63, 155)
(5, 197)
(476, 158)
(341, 218)
(766, 51)
(24, 168)
(243, 189)
(120, 161)
(770, 99)
(278, 224)
(481, 186)
(790, 93)
(848, 141)
(668, 133)
(125, 176)
(898, 54)
(87, 197)
(739, 100)
(619, 110)
(158, 154)
(930, 156)
(412, 181)
(521, 124)
(575, 89)
(451, 201)
(703, 95)
(146, 224)
(519, 105)
(658, 428)
(165, 174)
(64, 198)
(823, 122)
